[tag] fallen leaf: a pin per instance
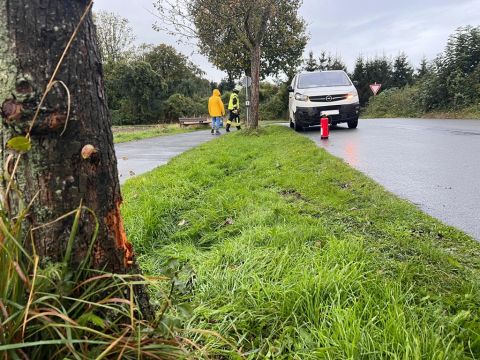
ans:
(19, 144)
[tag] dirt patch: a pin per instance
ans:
(291, 193)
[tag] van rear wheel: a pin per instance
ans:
(297, 127)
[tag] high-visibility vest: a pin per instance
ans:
(234, 103)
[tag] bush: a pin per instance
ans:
(273, 101)
(133, 90)
(178, 106)
(395, 102)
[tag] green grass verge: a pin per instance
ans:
(132, 133)
(471, 112)
(298, 256)
(271, 122)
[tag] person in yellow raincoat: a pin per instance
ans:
(234, 111)
(216, 109)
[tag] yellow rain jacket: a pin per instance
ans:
(215, 105)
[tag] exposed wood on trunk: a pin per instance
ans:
(114, 223)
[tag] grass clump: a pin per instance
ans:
(298, 256)
(53, 311)
(133, 133)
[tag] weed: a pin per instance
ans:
(50, 311)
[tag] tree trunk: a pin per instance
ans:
(255, 90)
(33, 35)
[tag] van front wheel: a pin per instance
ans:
(352, 124)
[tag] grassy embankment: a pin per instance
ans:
(132, 133)
(402, 103)
(298, 256)
(472, 112)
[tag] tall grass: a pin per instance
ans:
(297, 256)
(50, 311)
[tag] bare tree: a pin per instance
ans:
(115, 36)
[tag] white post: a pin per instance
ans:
(246, 99)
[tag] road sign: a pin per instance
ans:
(375, 88)
(247, 81)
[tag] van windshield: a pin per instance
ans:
(322, 79)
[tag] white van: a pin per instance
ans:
(331, 93)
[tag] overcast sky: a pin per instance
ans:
(347, 28)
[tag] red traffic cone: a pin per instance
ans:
(324, 128)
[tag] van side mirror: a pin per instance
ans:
(290, 89)
(355, 83)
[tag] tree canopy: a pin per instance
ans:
(323, 62)
(449, 82)
(255, 37)
(139, 87)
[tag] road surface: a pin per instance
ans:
(137, 157)
(433, 163)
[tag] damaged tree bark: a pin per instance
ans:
(78, 165)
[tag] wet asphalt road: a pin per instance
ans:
(433, 163)
(137, 157)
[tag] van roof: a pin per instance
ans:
(319, 71)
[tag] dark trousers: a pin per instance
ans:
(233, 120)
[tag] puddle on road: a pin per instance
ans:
(460, 132)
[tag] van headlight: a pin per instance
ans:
(301, 97)
(351, 96)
